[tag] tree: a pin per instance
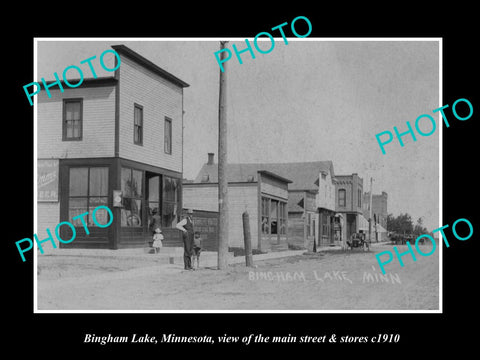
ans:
(400, 224)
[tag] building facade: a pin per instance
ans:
(379, 214)
(263, 194)
(349, 203)
(119, 135)
(310, 199)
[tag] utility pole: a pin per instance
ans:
(370, 216)
(222, 162)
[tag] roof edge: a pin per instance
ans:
(124, 50)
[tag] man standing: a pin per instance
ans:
(186, 226)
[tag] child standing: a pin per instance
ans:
(197, 249)
(157, 240)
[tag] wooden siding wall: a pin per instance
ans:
(98, 133)
(296, 229)
(273, 187)
(241, 197)
(48, 215)
(310, 202)
(159, 99)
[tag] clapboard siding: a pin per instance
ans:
(47, 218)
(296, 229)
(240, 198)
(200, 197)
(98, 133)
(273, 187)
(159, 99)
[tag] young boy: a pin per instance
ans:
(197, 249)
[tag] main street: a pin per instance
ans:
(332, 280)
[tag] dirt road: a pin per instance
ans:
(334, 280)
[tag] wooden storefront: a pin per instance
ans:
(88, 183)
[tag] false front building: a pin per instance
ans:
(117, 135)
(288, 203)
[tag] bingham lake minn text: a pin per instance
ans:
(340, 276)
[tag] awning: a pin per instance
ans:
(362, 223)
(381, 229)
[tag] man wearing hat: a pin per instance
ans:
(186, 226)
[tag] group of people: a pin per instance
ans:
(192, 242)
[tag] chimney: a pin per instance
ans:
(210, 158)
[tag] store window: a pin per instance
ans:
(171, 201)
(273, 217)
(88, 189)
(132, 189)
(265, 217)
(282, 218)
(72, 119)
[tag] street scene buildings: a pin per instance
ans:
(120, 141)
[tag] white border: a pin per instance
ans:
(35, 212)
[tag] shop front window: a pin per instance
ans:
(282, 218)
(88, 188)
(132, 189)
(171, 201)
(273, 217)
(265, 217)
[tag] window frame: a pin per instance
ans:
(135, 125)
(165, 201)
(88, 195)
(344, 192)
(167, 136)
(135, 198)
(64, 119)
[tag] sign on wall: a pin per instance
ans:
(47, 180)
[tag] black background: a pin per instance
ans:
(58, 335)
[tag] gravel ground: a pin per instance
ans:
(334, 280)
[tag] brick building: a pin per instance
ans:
(122, 133)
(349, 200)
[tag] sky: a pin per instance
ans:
(312, 99)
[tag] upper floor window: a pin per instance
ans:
(138, 125)
(342, 197)
(359, 198)
(168, 136)
(72, 119)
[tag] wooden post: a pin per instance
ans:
(222, 162)
(247, 239)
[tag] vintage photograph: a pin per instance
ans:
(170, 180)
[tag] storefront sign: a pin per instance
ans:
(47, 180)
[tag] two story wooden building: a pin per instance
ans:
(121, 134)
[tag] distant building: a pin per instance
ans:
(349, 202)
(379, 213)
(263, 194)
(296, 201)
